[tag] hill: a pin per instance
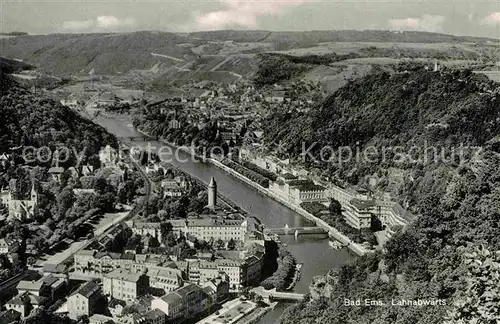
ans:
(114, 54)
(415, 124)
(29, 120)
(13, 66)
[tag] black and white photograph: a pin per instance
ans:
(249, 162)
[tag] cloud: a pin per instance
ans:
(429, 23)
(492, 19)
(242, 13)
(100, 23)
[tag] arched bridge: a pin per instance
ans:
(295, 230)
(137, 138)
(277, 295)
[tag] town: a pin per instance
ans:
(175, 178)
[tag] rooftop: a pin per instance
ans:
(362, 204)
(121, 274)
(29, 285)
(87, 289)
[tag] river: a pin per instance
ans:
(314, 252)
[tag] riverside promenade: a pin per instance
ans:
(333, 232)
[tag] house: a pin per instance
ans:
(145, 228)
(168, 279)
(358, 213)
(275, 97)
(82, 192)
(53, 287)
(217, 288)
(25, 303)
(7, 246)
(307, 192)
(4, 159)
(84, 300)
(57, 270)
(155, 316)
(31, 287)
(185, 302)
(87, 169)
(174, 124)
(212, 228)
(108, 156)
(20, 208)
(100, 319)
(125, 285)
(107, 99)
(115, 307)
(173, 186)
(9, 316)
(56, 172)
(71, 103)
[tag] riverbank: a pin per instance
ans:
(296, 277)
(257, 314)
(333, 232)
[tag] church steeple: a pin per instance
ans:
(34, 193)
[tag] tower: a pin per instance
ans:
(34, 193)
(212, 193)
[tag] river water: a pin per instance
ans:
(314, 252)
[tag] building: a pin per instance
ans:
(31, 287)
(125, 285)
(167, 279)
(84, 300)
(100, 319)
(208, 229)
(87, 169)
(358, 213)
(217, 289)
(185, 302)
(307, 192)
(108, 156)
(20, 209)
(146, 228)
(160, 269)
(173, 186)
(275, 97)
(71, 103)
(7, 246)
(25, 303)
(82, 192)
(212, 193)
(107, 99)
(56, 173)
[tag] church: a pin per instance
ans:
(18, 208)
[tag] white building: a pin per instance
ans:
(211, 228)
(20, 208)
(125, 285)
(83, 301)
(108, 156)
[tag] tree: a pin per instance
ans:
(231, 245)
(219, 244)
(335, 207)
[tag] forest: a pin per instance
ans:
(449, 252)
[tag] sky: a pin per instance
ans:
(473, 17)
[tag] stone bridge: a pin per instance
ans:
(277, 295)
(295, 230)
